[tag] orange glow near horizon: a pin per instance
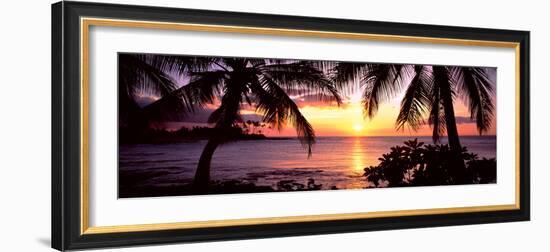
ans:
(349, 120)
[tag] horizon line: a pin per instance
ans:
(384, 136)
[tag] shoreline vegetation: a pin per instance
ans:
(184, 134)
(411, 164)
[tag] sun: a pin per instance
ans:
(357, 127)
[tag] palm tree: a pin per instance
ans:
(429, 90)
(234, 83)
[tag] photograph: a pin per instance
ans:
(195, 125)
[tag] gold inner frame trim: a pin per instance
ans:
(85, 24)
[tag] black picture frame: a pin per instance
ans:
(66, 124)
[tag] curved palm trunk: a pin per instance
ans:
(224, 116)
(447, 100)
(202, 175)
(450, 121)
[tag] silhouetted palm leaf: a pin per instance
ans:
(416, 101)
(137, 76)
(381, 82)
(346, 73)
(202, 89)
(477, 92)
(278, 109)
(181, 65)
(303, 79)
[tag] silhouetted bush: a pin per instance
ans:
(416, 164)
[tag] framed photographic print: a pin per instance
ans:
(179, 125)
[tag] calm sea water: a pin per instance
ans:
(336, 161)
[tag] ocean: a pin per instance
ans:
(335, 161)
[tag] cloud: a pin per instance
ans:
(201, 115)
(464, 120)
(312, 100)
(459, 120)
(143, 101)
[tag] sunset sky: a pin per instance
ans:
(346, 120)
(331, 120)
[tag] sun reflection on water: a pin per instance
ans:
(358, 163)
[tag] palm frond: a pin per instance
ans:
(278, 108)
(347, 75)
(139, 77)
(267, 104)
(256, 62)
(202, 89)
(381, 82)
(302, 78)
(327, 66)
(274, 61)
(476, 91)
(416, 100)
(227, 114)
(179, 64)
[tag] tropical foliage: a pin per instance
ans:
(416, 164)
(137, 77)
